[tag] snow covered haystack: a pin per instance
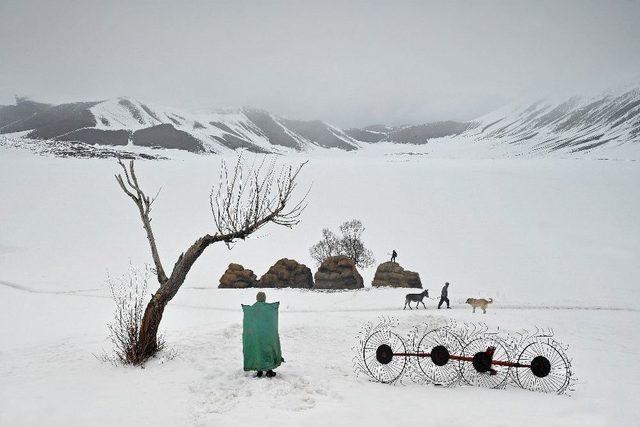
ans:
(238, 277)
(392, 274)
(338, 272)
(287, 273)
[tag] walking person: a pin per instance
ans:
(444, 295)
(260, 340)
(394, 254)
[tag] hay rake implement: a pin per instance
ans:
(469, 354)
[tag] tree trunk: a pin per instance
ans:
(148, 338)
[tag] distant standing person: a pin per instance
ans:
(444, 295)
(394, 254)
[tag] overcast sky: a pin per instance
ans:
(350, 63)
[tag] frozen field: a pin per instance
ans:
(50, 376)
(556, 243)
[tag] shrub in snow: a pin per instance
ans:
(130, 296)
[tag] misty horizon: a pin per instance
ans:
(349, 65)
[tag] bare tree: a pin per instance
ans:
(245, 200)
(328, 246)
(349, 244)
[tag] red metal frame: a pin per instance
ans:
(489, 351)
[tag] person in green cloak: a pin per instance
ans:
(260, 340)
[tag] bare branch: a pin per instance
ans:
(129, 184)
(245, 200)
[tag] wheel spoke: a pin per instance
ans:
(485, 379)
(392, 371)
(448, 373)
(558, 377)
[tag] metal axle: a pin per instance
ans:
(489, 353)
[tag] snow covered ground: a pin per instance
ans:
(554, 241)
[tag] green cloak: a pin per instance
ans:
(260, 340)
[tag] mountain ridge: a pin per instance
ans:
(126, 121)
(579, 123)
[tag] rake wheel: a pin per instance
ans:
(481, 371)
(439, 368)
(379, 359)
(549, 370)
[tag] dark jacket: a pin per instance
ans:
(445, 291)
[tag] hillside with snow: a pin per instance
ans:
(603, 126)
(125, 122)
(575, 125)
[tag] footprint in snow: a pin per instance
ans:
(242, 391)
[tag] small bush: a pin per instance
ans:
(130, 296)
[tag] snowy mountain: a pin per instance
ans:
(609, 122)
(128, 122)
(573, 125)
(409, 134)
(577, 124)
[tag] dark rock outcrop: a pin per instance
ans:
(237, 277)
(234, 142)
(47, 123)
(323, 134)
(287, 273)
(93, 136)
(274, 131)
(24, 109)
(393, 275)
(338, 272)
(166, 136)
(366, 135)
(422, 133)
(413, 134)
